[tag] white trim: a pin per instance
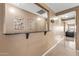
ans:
(52, 48)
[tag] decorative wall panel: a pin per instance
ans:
(20, 21)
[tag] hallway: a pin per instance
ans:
(66, 48)
(37, 30)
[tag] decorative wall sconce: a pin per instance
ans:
(52, 21)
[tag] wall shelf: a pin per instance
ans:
(27, 34)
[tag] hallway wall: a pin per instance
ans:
(29, 22)
(37, 43)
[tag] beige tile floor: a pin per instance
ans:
(65, 48)
(67, 45)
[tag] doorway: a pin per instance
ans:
(70, 30)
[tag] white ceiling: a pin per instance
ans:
(31, 7)
(68, 15)
(28, 7)
(65, 16)
(57, 7)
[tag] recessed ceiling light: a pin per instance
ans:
(12, 10)
(64, 16)
(55, 18)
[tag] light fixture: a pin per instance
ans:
(12, 10)
(38, 19)
(55, 18)
(64, 16)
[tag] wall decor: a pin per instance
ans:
(18, 21)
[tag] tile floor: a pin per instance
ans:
(65, 48)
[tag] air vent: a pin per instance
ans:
(41, 11)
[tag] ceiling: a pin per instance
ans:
(68, 15)
(28, 7)
(58, 7)
(31, 7)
